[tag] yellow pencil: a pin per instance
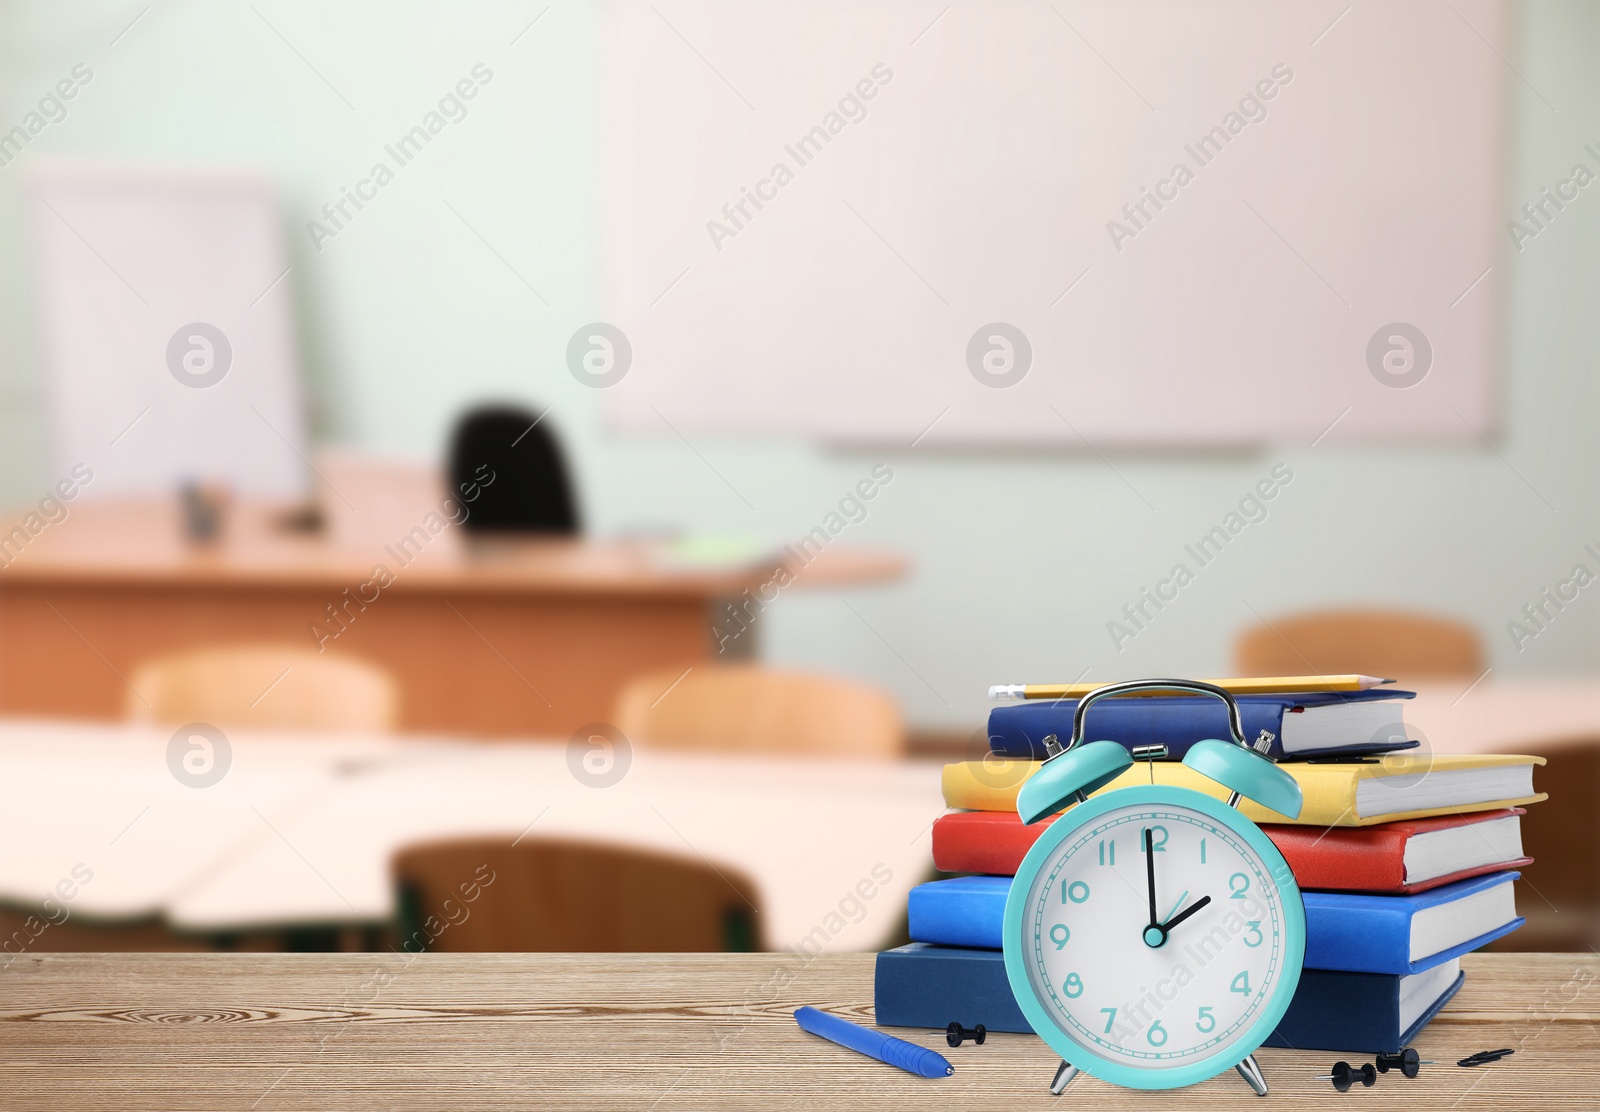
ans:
(1249, 685)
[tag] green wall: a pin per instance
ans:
(1021, 558)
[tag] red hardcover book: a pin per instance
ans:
(1400, 857)
(1397, 857)
(993, 842)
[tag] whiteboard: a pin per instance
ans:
(163, 297)
(983, 184)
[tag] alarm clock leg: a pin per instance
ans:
(1251, 1072)
(1064, 1076)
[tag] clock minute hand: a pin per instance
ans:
(1185, 913)
(1150, 875)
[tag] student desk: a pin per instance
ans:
(103, 798)
(301, 830)
(1539, 716)
(299, 1031)
(508, 637)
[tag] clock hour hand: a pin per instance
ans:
(1185, 913)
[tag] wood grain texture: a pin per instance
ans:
(274, 1032)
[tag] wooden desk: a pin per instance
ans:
(501, 638)
(1507, 716)
(279, 1032)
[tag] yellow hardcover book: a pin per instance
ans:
(1395, 787)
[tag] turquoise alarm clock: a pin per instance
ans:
(1154, 935)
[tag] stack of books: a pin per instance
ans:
(1405, 859)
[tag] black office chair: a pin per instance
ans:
(507, 469)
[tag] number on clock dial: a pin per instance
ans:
(1156, 1006)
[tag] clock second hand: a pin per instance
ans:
(1185, 913)
(1177, 903)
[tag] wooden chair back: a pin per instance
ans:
(540, 896)
(1560, 892)
(751, 709)
(1393, 644)
(267, 686)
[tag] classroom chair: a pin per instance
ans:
(753, 709)
(264, 685)
(548, 895)
(1390, 643)
(507, 469)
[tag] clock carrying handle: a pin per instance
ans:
(1193, 687)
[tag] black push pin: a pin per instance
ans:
(1345, 1075)
(1406, 1062)
(954, 1033)
(1484, 1057)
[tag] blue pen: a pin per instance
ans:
(874, 1044)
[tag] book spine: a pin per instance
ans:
(1019, 730)
(1358, 935)
(959, 912)
(1364, 860)
(1357, 1012)
(982, 847)
(930, 987)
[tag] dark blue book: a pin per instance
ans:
(1347, 931)
(1363, 1013)
(932, 986)
(1324, 724)
(1355, 1013)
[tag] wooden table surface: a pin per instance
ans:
(327, 1031)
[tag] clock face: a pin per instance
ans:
(1208, 972)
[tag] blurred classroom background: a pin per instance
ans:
(680, 650)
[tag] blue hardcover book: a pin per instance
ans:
(1345, 723)
(1364, 1013)
(1361, 933)
(961, 911)
(931, 986)
(1358, 1013)
(1348, 931)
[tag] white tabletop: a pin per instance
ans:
(807, 833)
(302, 827)
(100, 801)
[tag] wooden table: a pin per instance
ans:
(496, 638)
(279, 1032)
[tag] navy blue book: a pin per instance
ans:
(1363, 1013)
(1325, 724)
(1353, 932)
(931, 986)
(1355, 1013)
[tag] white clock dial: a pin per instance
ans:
(1163, 997)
